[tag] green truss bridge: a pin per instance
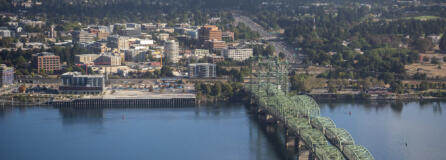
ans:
(314, 136)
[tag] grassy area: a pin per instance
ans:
(423, 18)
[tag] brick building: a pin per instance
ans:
(209, 32)
(46, 61)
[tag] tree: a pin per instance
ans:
(269, 51)
(425, 59)
(216, 90)
(422, 44)
(21, 62)
(166, 71)
(435, 60)
(332, 87)
(443, 43)
(424, 86)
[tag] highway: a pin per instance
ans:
(271, 38)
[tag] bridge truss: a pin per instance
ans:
(300, 113)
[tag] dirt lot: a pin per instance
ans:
(313, 70)
(431, 70)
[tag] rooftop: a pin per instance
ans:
(79, 74)
(44, 54)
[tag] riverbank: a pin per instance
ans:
(334, 96)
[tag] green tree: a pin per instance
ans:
(216, 90)
(443, 43)
(435, 60)
(332, 87)
(425, 59)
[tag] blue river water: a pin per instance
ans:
(410, 130)
(394, 130)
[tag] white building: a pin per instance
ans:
(201, 53)
(145, 41)
(5, 33)
(238, 54)
(171, 51)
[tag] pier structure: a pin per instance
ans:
(130, 99)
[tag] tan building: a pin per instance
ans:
(83, 37)
(163, 36)
(85, 58)
(215, 44)
(119, 42)
(102, 35)
(108, 59)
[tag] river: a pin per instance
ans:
(220, 131)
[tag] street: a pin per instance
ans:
(271, 38)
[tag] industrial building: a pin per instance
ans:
(76, 83)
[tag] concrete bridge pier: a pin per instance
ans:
(270, 128)
(290, 142)
(304, 151)
(304, 155)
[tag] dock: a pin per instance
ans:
(130, 99)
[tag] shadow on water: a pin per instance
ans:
(276, 138)
(93, 116)
(396, 106)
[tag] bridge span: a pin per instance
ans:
(314, 136)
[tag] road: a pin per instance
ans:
(271, 38)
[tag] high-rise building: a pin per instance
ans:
(202, 70)
(7, 75)
(46, 61)
(209, 32)
(76, 83)
(238, 54)
(172, 51)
